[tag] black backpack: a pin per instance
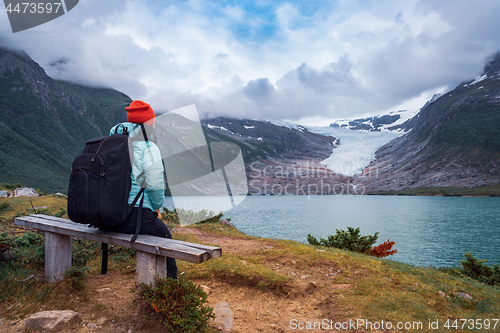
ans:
(100, 185)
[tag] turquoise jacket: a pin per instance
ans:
(147, 168)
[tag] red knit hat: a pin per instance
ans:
(140, 112)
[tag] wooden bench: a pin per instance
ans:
(151, 251)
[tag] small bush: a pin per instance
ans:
(477, 270)
(49, 211)
(171, 217)
(76, 276)
(383, 250)
(4, 206)
(4, 242)
(346, 240)
(28, 249)
(180, 302)
(10, 187)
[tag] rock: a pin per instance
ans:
(4, 194)
(229, 224)
(206, 289)
(341, 286)
(224, 316)
(25, 192)
(61, 195)
(92, 326)
(103, 290)
(465, 295)
(311, 286)
(101, 321)
(52, 321)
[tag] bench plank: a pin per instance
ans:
(145, 243)
(214, 251)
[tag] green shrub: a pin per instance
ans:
(28, 249)
(49, 211)
(180, 302)
(346, 240)
(10, 187)
(76, 276)
(4, 206)
(171, 217)
(202, 216)
(477, 270)
(4, 242)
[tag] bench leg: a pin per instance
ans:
(149, 266)
(57, 256)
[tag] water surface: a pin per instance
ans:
(428, 231)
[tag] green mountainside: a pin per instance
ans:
(44, 123)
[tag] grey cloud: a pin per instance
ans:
(379, 74)
(260, 90)
(336, 78)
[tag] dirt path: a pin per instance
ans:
(311, 297)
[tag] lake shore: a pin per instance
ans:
(274, 285)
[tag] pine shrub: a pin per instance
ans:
(346, 240)
(180, 303)
(477, 270)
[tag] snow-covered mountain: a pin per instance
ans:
(393, 121)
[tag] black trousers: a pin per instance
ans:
(150, 225)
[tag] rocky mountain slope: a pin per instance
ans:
(454, 141)
(44, 123)
(280, 159)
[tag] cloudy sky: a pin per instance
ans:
(308, 61)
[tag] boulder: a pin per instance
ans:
(25, 192)
(465, 295)
(224, 316)
(52, 321)
(4, 194)
(229, 224)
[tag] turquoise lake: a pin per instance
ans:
(428, 231)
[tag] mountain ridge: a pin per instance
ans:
(454, 141)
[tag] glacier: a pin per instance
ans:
(356, 150)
